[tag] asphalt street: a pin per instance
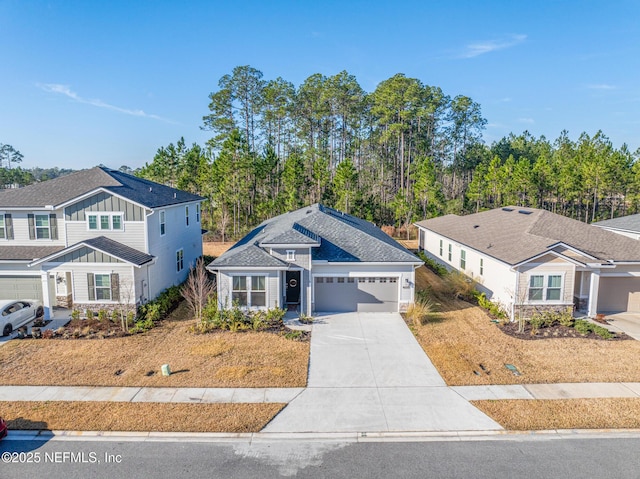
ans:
(512, 456)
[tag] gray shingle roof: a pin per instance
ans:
(626, 223)
(342, 237)
(26, 253)
(65, 188)
(515, 234)
(106, 245)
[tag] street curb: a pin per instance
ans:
(344, 437)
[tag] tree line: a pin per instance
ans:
(404, 152)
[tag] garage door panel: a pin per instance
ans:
(21, 287)
(619, 294)
(366, 294)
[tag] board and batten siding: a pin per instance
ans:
(106, 203)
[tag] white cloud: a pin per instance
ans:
(66, 91)
(488, 46)
(601, 86)
(528, 121)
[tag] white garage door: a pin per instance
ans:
(363, 294)
(619, 294)
(21, 287)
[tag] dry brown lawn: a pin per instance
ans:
(225, 359)
(118, 416)
(216, 248)
(527, 415)
(461, 336)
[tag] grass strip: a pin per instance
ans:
(539, 414)
(125, 416)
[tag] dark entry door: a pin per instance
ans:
(293, 287)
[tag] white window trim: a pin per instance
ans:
(186, 216)
(181, 260)
(198, 213)
(162, 221)
(450, 253)
(249, 290)
(110, 214)
(463, 258)
(481, 266)
(95, 288)
(441, 248)
(35, 224)
(545, 282)
(291, 255)
(3, 228)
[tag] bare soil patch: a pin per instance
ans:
(223, 359)
(527, 415)
(216, 248)
(467, 348)
(120, 416)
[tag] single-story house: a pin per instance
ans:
(529, 259)
(316, 259)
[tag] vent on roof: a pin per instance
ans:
(525, 212)
(507, 209)
(476, 226)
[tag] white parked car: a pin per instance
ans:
(15, 313)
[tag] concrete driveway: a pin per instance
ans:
(367, 373)
(628, 323)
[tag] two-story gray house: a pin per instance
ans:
(317, 259)
(95, 239)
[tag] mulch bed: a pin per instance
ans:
(86, 329)
(556, 331)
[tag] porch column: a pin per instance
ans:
(594, 287)
(46, 300)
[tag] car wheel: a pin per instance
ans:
(39, 312)
(7, 330)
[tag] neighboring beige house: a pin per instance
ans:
(95, 239)
(625, 225)
(536, 260)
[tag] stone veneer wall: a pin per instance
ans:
(65, 301)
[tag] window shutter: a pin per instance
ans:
(53, 224)
(92, 288)
(115, 287)
(8, 224)
(32, 226)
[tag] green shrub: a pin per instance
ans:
(88, 313)
(494, 309)
(536, 321)
(433, 265)
(604, 333)
(293, 335)
(566, 319)
(103, 315)
(75, 314)
(583, 327)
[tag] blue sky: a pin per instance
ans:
(84, 83)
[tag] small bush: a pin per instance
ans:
(48, 334)
(75, 314)
(604, 333)
(582, 326)
(536, 321)
(494, 309)
(88, 313)
(103, 315)
(293, 335)
(418, 312)
(433, 265)
(566, 319)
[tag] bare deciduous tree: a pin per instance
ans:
(197, 289)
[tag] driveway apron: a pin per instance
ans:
(367, 373)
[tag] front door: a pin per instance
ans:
(293, 287)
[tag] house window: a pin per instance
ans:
(102, 287)
(393, 280)
(258, 293)
(545, 287)
(319, 279)
(450, 251)
(3, 234)
(105, 221)
(291, 255)
(162, 223)
(239, 292)
(340, 280)
(179, 260)
(481, 266)
(198, 213)
(463, 259)
(440, 247)
(42, 227)
(186, 214)
(329, 280)
(249, 291)
(351, 280)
